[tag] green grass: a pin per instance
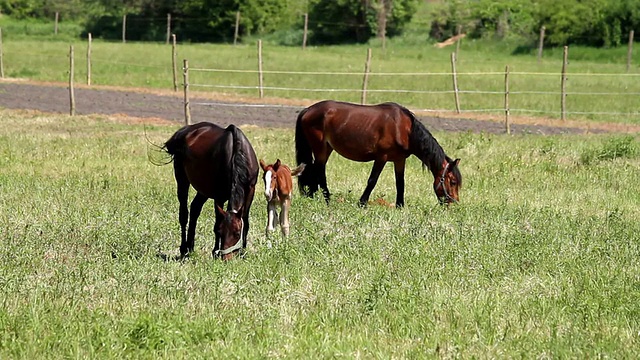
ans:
(535, 87)
(538, 260)
(42, 30)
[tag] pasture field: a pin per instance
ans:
(540, 258)
(598, 87)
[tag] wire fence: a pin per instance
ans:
(445, 91)
(561, 110)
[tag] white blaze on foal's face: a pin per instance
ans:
(267, 184)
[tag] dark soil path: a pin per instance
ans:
(146, 104)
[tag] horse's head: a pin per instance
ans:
(270, 178)
(448, 181)
(231, 231)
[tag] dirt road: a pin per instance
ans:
(54, 98)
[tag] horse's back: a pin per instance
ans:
(359, 132)
(207, 153)
(285, 182)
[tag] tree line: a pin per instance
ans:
(584, 22)
(598, 23)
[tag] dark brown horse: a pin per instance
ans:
(221, 165)
(378, 133)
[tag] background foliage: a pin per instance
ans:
(585, 22)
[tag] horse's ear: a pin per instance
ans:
(263, 165)
(220, 210)
(276, 165)
(455, 163)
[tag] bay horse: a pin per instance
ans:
(278, 186)
(378, 133)
(221, 165)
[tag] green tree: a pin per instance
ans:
(343, 21)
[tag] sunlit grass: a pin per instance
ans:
(539, 258)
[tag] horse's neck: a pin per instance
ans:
(431, 156)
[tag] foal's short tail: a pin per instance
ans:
(307, 183)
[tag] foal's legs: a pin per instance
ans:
(398, 167)
(196, 208)
(284, 217)
(378, 166)
(272, 217)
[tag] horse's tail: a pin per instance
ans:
(306, 181)
(176, 146)
(157, 149)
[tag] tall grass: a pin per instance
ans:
(538, 260)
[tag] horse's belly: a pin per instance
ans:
(206, 182)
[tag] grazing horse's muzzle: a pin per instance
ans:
(445, 198)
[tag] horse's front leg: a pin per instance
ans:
(378, 166)
(272, 217)
(399, 170)
(284, 217)
(196, 208)
(216, 230)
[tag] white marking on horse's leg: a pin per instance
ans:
(271, 214)
(267, 185)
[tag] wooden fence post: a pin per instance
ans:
(235, 33)
(72, 98)
(507, 125)
(260, 78)
(168, 28)
(304, 34)
(541, 43)
(459, 30)
(629, 50)
(365, 79)
(1, 57)
(124, 28)
(55, 27)
(455, 82)
(174, 64)
(89, 59)
(185, 75)
(563, 84)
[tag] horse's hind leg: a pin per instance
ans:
(183, 197)
(322, 180)
(196, 208)
(378, 166)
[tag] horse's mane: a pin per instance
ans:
(426, 147)
(240, 177)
